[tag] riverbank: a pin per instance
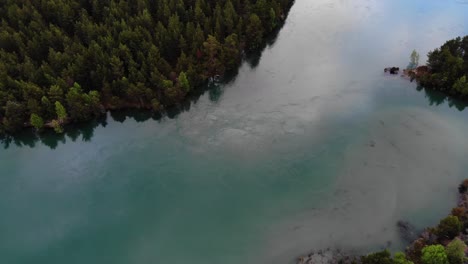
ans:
(449, 237)
(152, 59)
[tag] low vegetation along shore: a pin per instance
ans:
(69, 61)
(442, 244)
(446, 69)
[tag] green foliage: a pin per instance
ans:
(121, 53)
(414, 59)
(36, 121)
(82, 106)
(448, 68)
(461, 86)
(231, 51)
(183, 82)
(382, 257)
(14, 118)
(273, 19)
(414, 252)
(213, 56)
(455, 251)
(55, 94)
(61, 112)
(434, 254)
(448, 227)
(400, 258)
(156, 104)
(254, 32)
(459, 212)
(57, 126)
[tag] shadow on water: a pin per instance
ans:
(29, 138)
(436, 98)
(253, 57)
(85, 131)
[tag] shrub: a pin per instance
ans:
(36, 121)
(57, 127)
(458, 212)
(400, 258)
(414, 252)
(456, 251)
(382, 257)
(449, 227)
(434, 254)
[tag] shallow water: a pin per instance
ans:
(309, 146)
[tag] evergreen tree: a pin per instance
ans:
(37, 122)
(57, 126)
(414, 59)
(254, 32)
(213, 57)
(447, 68)
(455, 251)
(400, 258)
(183, 82)
(61, 112)
(137, 53)
(231, 51)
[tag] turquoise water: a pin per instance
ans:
(309, 146)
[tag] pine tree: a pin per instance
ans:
(213, 57)
(183, 82)
(61, 112)
(254, 32)
(122, 53)
(36, 121)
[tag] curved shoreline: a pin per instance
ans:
(429, 236)
(119, 76)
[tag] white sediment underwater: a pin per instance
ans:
(408, 162)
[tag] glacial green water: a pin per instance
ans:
(309, 146)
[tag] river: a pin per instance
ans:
(309, 146)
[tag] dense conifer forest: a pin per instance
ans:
(70, 60)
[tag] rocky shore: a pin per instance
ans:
(329, 256)
(454, 227)
(415, 73)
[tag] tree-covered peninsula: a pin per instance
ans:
(447, 68)
(68, 61)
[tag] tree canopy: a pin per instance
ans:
(455, 251)
(385, 257)
(108, 54)
(448, 68)
(414, 60)
(434, 254)
(449, 227)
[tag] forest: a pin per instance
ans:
(448, 68)
(65, 61)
